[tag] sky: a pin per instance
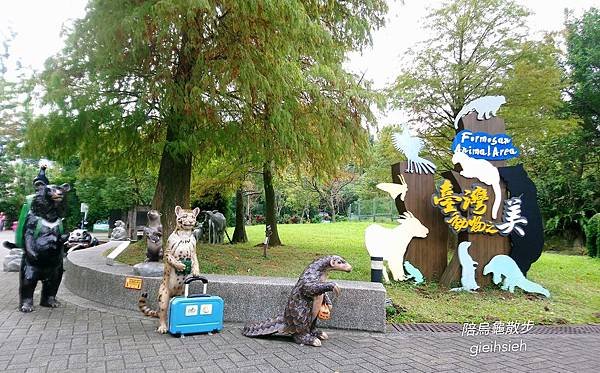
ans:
(38, 24)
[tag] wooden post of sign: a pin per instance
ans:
(429, 254)
(484, 247)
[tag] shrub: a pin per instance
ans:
(592, 232)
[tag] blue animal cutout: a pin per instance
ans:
(505, 266)
(468, 265)
(413, 272)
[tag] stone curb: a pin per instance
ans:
(361, 306)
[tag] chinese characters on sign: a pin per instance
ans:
(472, 202)
(512, 219)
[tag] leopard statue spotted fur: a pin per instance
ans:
(180, 260)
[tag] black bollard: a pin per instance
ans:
(376, 269)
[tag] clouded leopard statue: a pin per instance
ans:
(180, 261)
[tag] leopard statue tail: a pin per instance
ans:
(144, 307)
(266, 327)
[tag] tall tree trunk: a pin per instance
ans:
(175, 173)
(332, 205)
(270, 208)
(173, 187)
(239, 234)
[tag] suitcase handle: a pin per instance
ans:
(191, 279)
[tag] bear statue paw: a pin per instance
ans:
(26, 307)
(50, 302)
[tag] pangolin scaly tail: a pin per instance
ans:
(267, 327)
(144, 307)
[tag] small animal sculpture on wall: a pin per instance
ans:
(411, 146)
(305, 304)
(503, 266)
(395, 190)
(391, 243)
(468, 265)
(486, 107)
(119, 233)
(153, 233)
(44, 239)
(414, 273)
(80, 239)
(180, 261)
(482, 170)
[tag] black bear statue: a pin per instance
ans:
(44, 246)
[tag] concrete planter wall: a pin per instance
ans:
(247, 298)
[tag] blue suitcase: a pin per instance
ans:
(198, 313)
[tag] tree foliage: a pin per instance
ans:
(566, 167)
(592, 232)
(568, 189)
(380, 156)
(475, 44)
(16, 172)
(534, 87)
(117, 191)
(175, 79)
(583, 44)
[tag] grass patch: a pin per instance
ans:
(573, 281)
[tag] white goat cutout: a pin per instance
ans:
(391, 243)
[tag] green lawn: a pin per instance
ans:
(573, 281)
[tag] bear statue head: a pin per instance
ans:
(50, 201)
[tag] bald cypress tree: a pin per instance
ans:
(146, 83)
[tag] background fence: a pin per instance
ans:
(377, 209)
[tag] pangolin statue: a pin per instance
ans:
(307, 297)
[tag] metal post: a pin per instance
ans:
(376, 269)
(373, 208)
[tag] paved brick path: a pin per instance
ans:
(85, 336)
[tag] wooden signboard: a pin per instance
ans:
(484, 247)
(429, 254)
